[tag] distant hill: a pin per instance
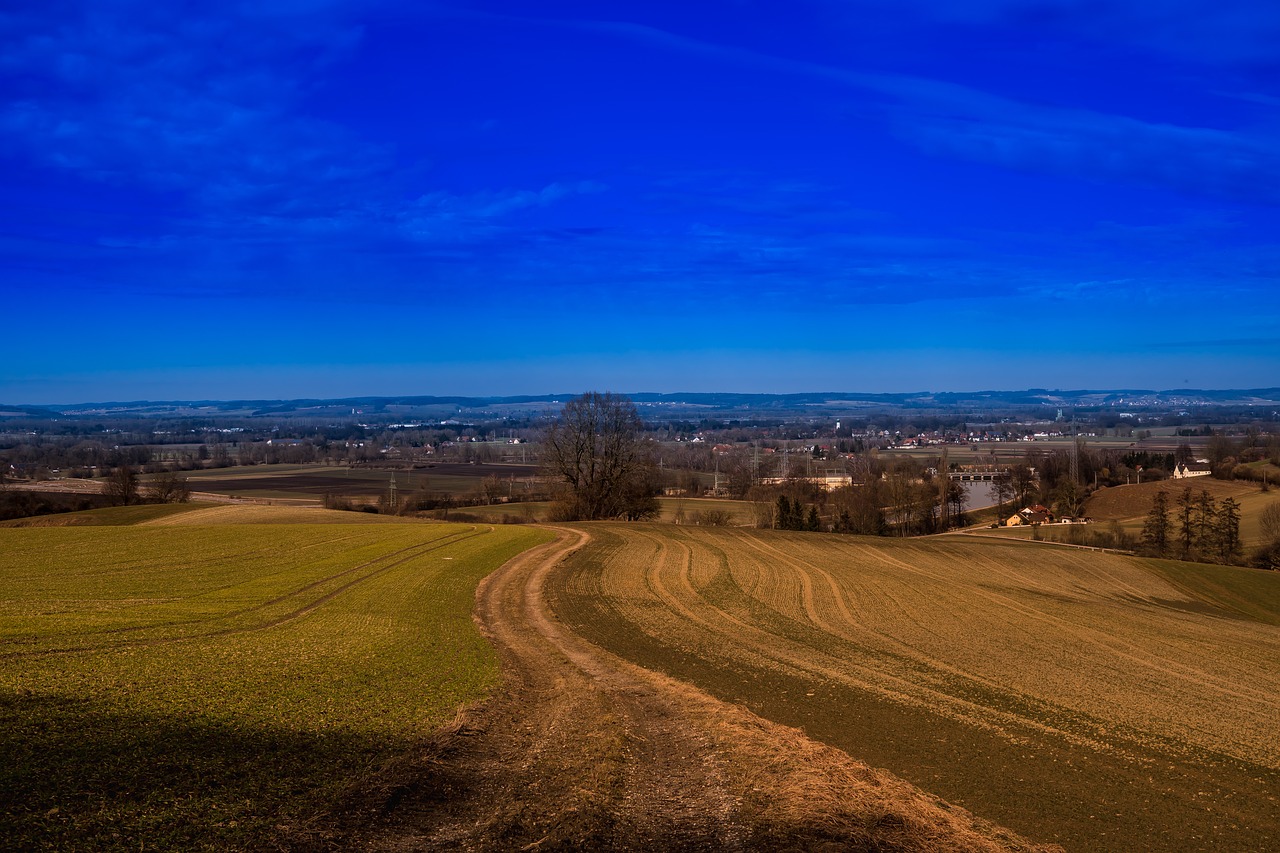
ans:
(704, 402)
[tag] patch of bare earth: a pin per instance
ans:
(581, 749)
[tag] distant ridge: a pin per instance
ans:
(1136, 398)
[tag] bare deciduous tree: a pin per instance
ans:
(168, 487)
(122, 486)
(597, 450)
(492, 489)
(1269, 522)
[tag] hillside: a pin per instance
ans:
(1092, 700)
(1129, 505)
(228, 679)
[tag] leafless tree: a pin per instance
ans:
(1269, 522)
(598, 451)
(492, 489)
(168, 487)
(122, 485)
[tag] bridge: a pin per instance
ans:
(985, 475)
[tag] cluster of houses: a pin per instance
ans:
(1037, 514)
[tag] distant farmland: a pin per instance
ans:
(1099, 701)
(225, 679)
(313, 482)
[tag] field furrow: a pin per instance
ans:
(1120, 701)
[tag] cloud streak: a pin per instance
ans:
(136, 93)
(951, 120)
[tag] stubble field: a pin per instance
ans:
(1093, 700)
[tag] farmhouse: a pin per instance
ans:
(1184, 470)
(1036, 514)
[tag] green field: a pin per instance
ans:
(195, 682)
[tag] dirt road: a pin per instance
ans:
(581, 749)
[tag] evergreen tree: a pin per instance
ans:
(813, 522)
(844, 522)
(1206, 513)
(1155, 532)
(1186, 527)
(1227, 531)
(788, 515)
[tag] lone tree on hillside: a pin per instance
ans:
(122, 486)
(1269, 523)
(168, 487)
(597, 450)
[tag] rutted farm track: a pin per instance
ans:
(588, 751)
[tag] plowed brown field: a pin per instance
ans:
(1078, 697)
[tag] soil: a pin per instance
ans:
(582, 750)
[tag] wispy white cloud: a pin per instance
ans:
(149, 94)
(207, 112)
(952, 120)
(449, 216)
(1213, 31)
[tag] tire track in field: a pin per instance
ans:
(856, 630)
(1128, 737)
(375, 567)
(767, 646)
(936, 698)
(1137, 654)
(1030, 711)
(1157, 783)
(772, 647)
(580, 751)
(1108, 642)
(1024, 712)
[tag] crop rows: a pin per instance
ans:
(1022, 651)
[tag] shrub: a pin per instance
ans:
(1267, 557)
(710, 518)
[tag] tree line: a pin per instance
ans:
(1196, 528)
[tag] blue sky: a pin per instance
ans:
(305, 198)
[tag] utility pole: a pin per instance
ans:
(1075, 451)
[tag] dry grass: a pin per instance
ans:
(1129, 505)
(739, 513)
